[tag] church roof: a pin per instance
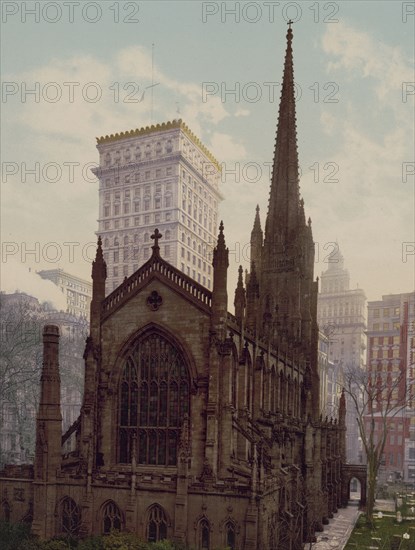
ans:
(157, 267)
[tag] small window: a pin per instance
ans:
(157, 524)
(204, 535)
(230, 535)
(112, 518)
(69, 517)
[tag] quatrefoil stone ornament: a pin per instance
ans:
(154, 301)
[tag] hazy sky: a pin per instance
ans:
(88, 65)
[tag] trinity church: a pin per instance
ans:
(197, 425)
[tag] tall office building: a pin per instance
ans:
(341, 317)
(77, 291)
(391, 350)
(160, 176)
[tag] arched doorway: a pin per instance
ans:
(354, 484)
(354, 489)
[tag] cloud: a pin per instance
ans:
(226, 148)
(19, 277)
(371, 135)
(359, 55)
(242, 112)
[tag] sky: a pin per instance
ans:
(74, 70)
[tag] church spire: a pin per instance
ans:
(220, 295)
(284, 202)
(256, 241)
(99, 275)
(240, 298)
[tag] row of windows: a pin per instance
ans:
(385, 340)
(127, 239)
(139, 177)
(384, 354)
(192, 258)
(146, 220)
(147, 204)
(195, 158)
(76, 286)
(197, 276)
(328, 312)
(113, 519)
(117, 196)
(197, 195)
(386, 326)
(334, 286)
(387, 311)
(127, 269)
(137, 153)
(195, 189)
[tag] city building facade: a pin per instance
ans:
(390, 353)
(160, 176)
(341, 317)
(197, 425)
(77, 291)
(331, 379)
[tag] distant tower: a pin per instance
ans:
(341, 317)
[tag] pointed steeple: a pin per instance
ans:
(220, 274)
(284, 203)
(99, 275)
(240, 300)
(99, 267)
(257, 238)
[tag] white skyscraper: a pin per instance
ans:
(160, 176)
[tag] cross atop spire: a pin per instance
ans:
(156, 236)
(289, 23)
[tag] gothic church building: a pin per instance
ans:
(197, 425)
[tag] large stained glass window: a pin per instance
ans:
(153, 400)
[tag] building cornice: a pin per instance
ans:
(170, 125)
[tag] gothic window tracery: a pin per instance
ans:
(157, 524)
(154, 398)
(69, 517)
(112, 518)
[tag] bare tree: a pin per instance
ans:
(22, 320)
(378, 397)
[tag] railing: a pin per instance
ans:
(156, 265)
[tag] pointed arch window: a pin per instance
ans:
(6, 510)
(69, 517)
(153, 400)
(157, 524)
(204, 535)
(112, 518)
(230, 535)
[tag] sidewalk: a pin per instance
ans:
(337, 532)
